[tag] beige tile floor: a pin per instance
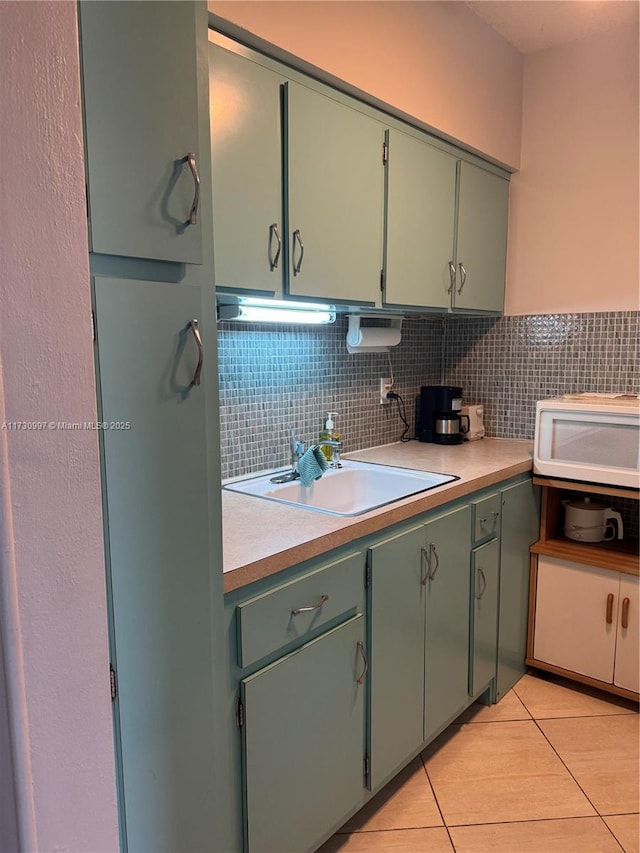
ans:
(553, 768)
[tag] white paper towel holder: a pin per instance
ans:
(373, 338)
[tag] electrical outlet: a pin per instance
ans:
(385, 386)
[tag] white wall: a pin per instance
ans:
(573, 230)
(52, 590)
(436, 61)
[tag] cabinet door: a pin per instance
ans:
(143, 88)
(246, 152)
(447, 627)
(627, 671)
(303, 740)
(484, 615)
(161, 499)
(481, 239)
(572, 628)
(396, 679)
(520, 529)
(419, 220)
(334, 189)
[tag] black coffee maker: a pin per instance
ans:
(438, 410)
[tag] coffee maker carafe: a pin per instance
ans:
(438, 410)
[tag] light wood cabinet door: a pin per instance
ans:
(573, 628)
(334, 186)
(627, 667)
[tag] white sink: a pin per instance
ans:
(356, 488)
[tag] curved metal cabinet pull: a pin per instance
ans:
(193, 213)
(494, 516)
(484, 584)
(274, 259)
(624, 621)
(463, 277)
(609, 616)
(193, 325)
(432, 571)
(424, 561)
(297, 266)
(317, 606)
(360, 679)
(452, 276)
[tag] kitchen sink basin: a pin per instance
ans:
(354, 489)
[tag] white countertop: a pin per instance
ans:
(261, 537)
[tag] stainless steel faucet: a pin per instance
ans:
(297, 449)
(334, 462)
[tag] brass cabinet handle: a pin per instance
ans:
(610, 608)
(624, 620)
(297, 266)
(484, 584)
(193, 325)
(313, 607)
(193, 213)
(463, 277)
(273, 232)
(360, 679)
(452, 276)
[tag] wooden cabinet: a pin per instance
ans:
(519, 529)
(485, 588)
(302, 662)
(587, 621)
(447, 620)
(246, 157)
(161, 509)
(303, 736)
(397, 616)
(480, 251)
(420, 186)
(334, 161)
(144, 87)
(583, 616)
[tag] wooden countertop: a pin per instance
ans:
(261, 537)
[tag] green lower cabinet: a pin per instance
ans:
(396, 681)
(303, 742)
(520, 529)
(485, 579)
(447, 626)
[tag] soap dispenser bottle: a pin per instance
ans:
(329, 433)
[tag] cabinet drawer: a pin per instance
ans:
(268, 622)
(486, 518)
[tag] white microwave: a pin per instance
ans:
(590, 437)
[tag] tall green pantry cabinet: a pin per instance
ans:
(145, 87)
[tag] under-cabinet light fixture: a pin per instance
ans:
(253, 310)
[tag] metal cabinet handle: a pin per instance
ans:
(317, 606)
(484, 584)
(624, 621)
(274, 259)
(424, 561)
(452, 276)
(297, 266)
(193, 325)
(193, 213)
(360, 679)
(609, 616)
(433, 553)
(463, 277)
(491, 517)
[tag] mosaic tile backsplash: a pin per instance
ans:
(273, 376)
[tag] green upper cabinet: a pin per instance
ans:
(334, 180)
(419, 219)
(143, 152)
(246, 154)
(481, 244)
